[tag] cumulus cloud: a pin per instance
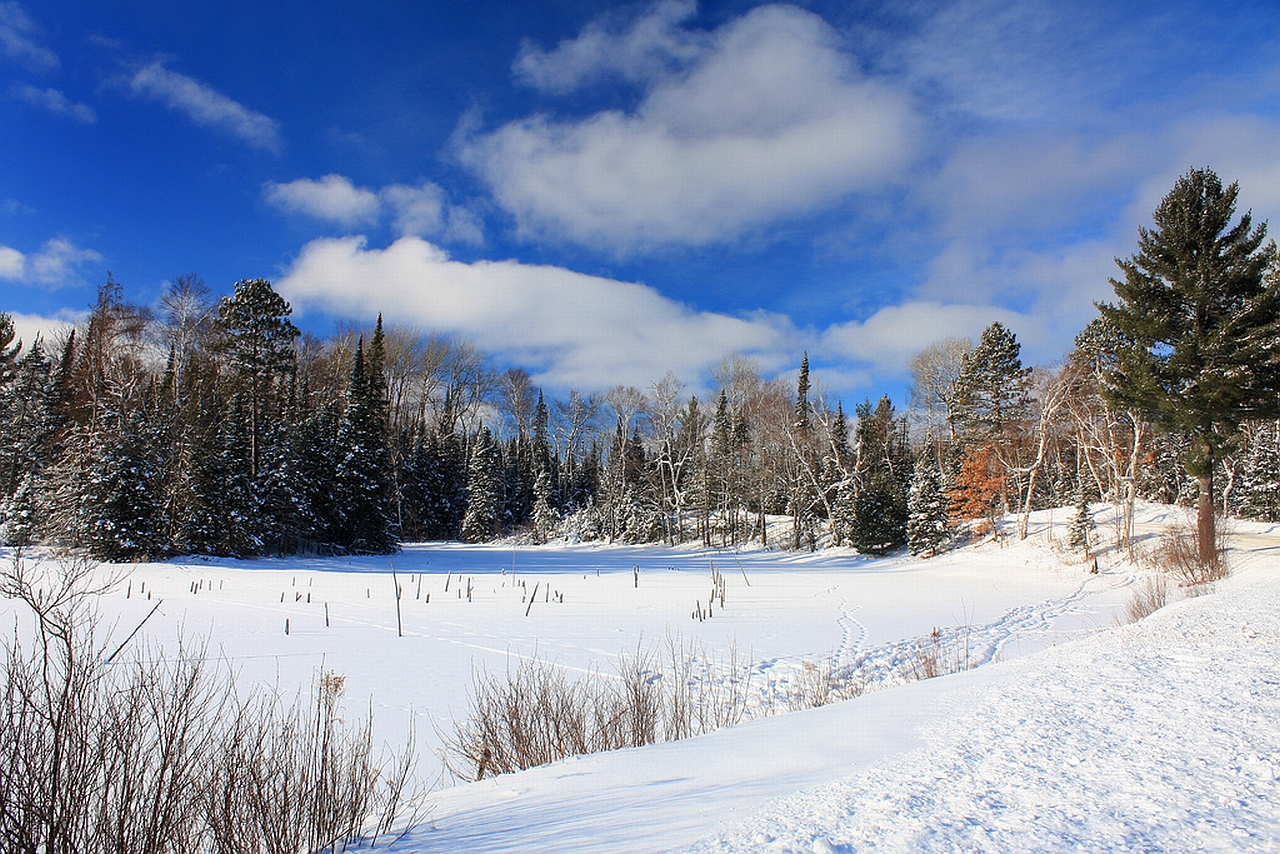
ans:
(57, 264)
(770, 119)
(576, 330)
(422, 210)
(50, 330)
(653, 44)
(888, 339)
(333, 198)
(12, 263)
(54, 101)
(20, 40)
(206, 106)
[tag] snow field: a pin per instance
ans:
(1035, 753)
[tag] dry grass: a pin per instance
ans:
(1177, 553)
(1150, 594)
(534, 713)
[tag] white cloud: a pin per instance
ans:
(653, 44)
(772, 119)
(12, 263)
(54, 101)
(29, 327)
(205, 106)
(891, 336)
(19, 39)
(421, 210)
(333, 198)
(577, 330)
(55, 265)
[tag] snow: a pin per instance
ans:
(1071, 734)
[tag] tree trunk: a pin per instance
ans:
(1205, 520)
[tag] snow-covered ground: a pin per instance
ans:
(1071, 734)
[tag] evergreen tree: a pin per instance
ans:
(259, 341)
(482, 521)
(18, 514)
(545, 518)
(1261, 481)
(27, 418)
(220, 514)
(121, 501)
(1200, 318)
(1080, 531)
(879, 522)
(928, 522)
(363, 476)
(993, 389)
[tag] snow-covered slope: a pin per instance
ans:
(1163, 735)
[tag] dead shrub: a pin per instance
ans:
(1177, 552)
(939, 654)
(535, 714)
(1150, 594)
(155, 755)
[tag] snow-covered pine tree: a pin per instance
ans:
(482, 521)
(545, 518)
(18, 514)
(879, 522)
(1261, 486)
(121, 502)
(1080, 530)
(26, 416)
(363, 476)
(928, 522)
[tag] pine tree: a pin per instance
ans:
(928, 521)
(121, 502)
(1261, 477)
(1201, 318)
(259, 341)
(1080, 531)
(18, 514)
(482, 521)
(879, 522)
(993, 389)
(363, 476)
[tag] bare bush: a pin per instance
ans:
(1177, 553)
(1150, 594)
(939, 654)
(534, 713)
(156, 756)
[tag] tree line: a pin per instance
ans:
(213, 426)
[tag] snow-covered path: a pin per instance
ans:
(1159, 736)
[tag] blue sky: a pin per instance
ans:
(606, 192)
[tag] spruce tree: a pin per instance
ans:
(928, 522)
(1080, 531)
(121, 502)
(1261, 476)
(1200, 319)
(879, 522)
(482, 521)
(363, 476)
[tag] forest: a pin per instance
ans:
(212, 425)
